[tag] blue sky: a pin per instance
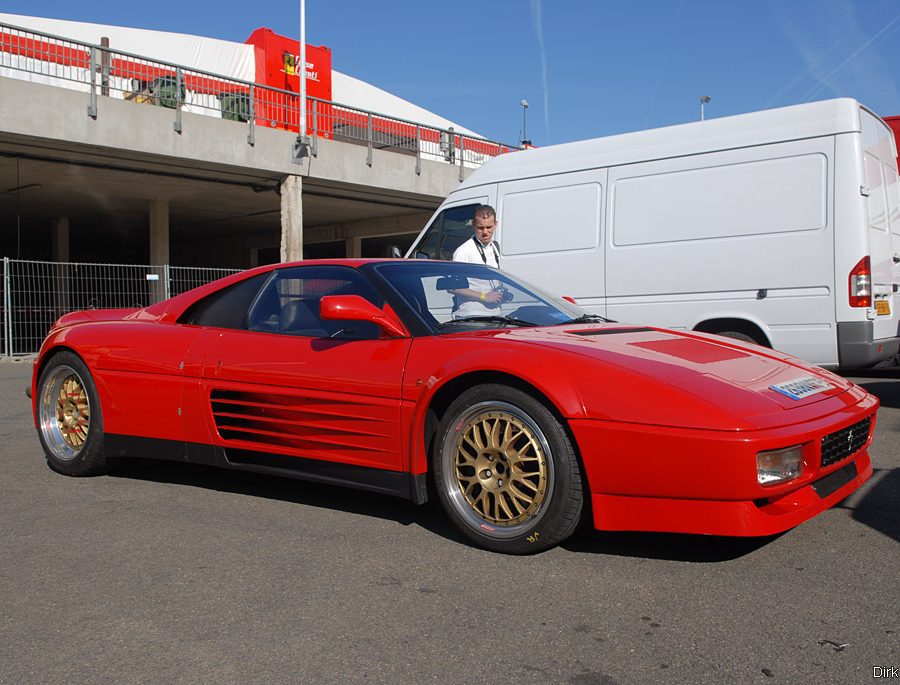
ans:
(588, 68)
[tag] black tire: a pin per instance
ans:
(737, 335)
(506, 472)
(70, 421)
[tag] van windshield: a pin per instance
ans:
(448, 231)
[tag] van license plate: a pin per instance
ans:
(882, 307)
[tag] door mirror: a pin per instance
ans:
(395, 252)
(356, 308)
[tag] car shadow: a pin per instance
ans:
(878, 508)
(337, 498)
(699, 549)
(430, 516)
(886, 391)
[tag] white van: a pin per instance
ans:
(781, 227)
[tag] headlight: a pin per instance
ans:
(778, 466)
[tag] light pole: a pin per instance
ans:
(704, 99)
(301, 145)
(525, 140)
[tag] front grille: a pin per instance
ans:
(843, 443)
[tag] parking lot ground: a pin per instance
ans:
(170, 573)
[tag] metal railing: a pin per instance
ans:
(36, 294)
(100, 71)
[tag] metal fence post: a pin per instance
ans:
(167, 287)
(418, 150)
(369, 139)
(178, 99)
(315, 131)
(462, 156)
(104, 67)
(92, 108)
(251, 135)
(7, 301)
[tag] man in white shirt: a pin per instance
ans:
(481, 298)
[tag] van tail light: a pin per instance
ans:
(861, 284)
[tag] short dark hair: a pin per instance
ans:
(485, 212)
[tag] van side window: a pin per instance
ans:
(447, 232)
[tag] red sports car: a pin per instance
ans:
(529, 413)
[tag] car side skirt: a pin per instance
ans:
(397, 483)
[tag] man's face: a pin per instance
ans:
(484, 228)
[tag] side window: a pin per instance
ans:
(289, 303)
(447, 232)
(226, 308)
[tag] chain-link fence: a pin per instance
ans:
(36, 294)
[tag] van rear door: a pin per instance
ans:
(881, 191)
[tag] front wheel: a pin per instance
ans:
(506, 471)
(70, 422)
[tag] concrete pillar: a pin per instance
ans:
(159, 247)
(354, 247)
(159, 231)
(59, 249)
(292, 219)
(59, 239)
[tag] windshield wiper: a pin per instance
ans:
(588, 318)
(488, 319)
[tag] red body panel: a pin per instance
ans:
(667, 425)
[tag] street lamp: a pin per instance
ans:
(704, 99)
(525, 140)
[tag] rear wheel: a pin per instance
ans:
(737, 335)
(506, 471)
(70, 422)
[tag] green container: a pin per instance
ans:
(165, 90)
(235, 106)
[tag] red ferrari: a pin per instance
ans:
(529, 413)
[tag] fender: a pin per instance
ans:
(424, 377)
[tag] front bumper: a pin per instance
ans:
(738, 519)
(652, 478)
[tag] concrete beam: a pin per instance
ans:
(55, 118)
(392, 225)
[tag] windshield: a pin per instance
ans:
(453, 296)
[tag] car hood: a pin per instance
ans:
(694, 379)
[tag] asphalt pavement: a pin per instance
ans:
(171, 573)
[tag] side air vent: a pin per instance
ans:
(311, 425)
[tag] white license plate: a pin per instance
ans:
(799, 388)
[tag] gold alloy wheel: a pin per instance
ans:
(73, 412)
(64, 411)
(500, 466)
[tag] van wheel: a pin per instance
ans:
(506, 471)
(737, 335)
(70, 423)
